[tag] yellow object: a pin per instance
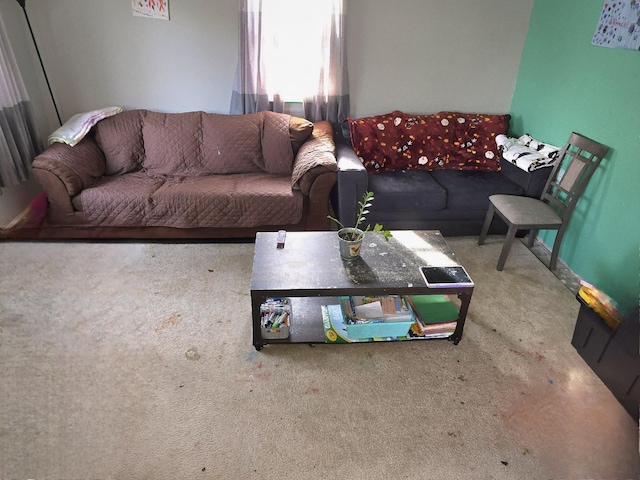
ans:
(600, 303)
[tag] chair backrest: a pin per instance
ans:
(571, 173)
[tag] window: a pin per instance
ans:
(293, 46)
(292, 51)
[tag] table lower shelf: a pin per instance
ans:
(307, 325)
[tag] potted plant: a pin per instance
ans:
(350, 238)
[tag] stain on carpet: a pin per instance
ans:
(172, 321)
(192, 354)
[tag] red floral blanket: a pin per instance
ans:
(445, 140)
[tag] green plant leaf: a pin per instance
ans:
(364, 204)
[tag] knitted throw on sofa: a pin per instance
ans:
(445, 140)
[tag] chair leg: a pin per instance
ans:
(508, 241)
(485, 226)
(556, 249)
(532, 238)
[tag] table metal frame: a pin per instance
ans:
(310, 272)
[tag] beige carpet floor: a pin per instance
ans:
(135, 361)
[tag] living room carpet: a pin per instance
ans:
(135, 360)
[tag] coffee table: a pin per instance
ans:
(310, 273)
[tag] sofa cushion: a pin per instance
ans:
(231, 143)
(468, 190)
(240, 200)
(172, 143)
(198, 144)
(120, 139)
(406, 190)
(118, 200)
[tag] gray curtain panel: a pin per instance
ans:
(19, 143)
(329, 97)
(19, 139)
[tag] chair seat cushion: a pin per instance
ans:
(526, 212)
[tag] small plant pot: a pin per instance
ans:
(350, 249)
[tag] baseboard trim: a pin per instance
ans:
(562, 271)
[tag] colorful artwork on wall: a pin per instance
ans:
(619, 25)
(151, 8)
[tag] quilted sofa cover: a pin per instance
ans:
(191, 173)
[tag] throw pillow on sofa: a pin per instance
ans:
(300, 129)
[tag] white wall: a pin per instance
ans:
(420, 56)
(423, 56)
(416, 55)
(98, 54)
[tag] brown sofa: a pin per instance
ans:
(144, 174)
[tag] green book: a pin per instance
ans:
(430, 309)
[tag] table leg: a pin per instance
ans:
(258, 341)
(465, 299)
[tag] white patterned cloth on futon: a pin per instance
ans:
(526, 152)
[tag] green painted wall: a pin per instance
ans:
(565, 84)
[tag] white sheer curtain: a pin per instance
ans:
(19, 140)
(292, 51)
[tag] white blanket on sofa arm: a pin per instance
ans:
(526, 152)
(75, 129)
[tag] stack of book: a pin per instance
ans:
(436, 316)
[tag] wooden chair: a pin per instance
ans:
(576, 163)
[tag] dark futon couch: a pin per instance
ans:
(427, 171)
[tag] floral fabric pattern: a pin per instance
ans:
(445, 140)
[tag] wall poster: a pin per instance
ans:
(619, 25)
(151, 8)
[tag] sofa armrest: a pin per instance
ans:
(318, 151)
(77, 167)
(60, 205)
(531, 182)
(353, 181)
(317, 198)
